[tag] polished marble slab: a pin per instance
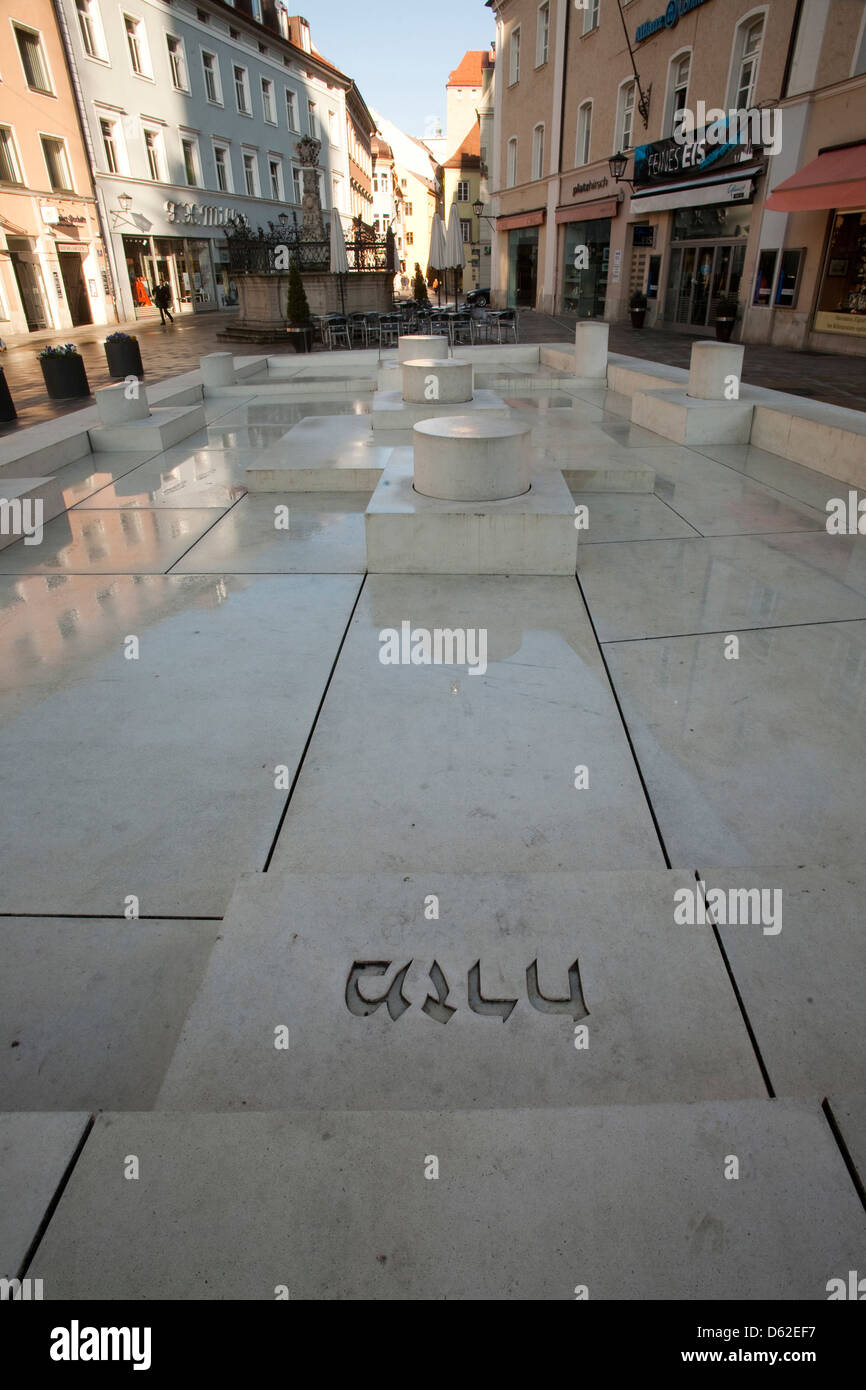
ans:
(623, 1202)
(325, 535)
(127, 541)
(35, 1151)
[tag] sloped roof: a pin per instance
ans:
(468, 71)
(467, 155)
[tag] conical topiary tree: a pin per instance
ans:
(297, 309)
(419, 286)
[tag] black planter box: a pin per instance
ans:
(7, 408)
(637, 317)
(65, 377)
(724, 329)
(301, 339)
(124, 359)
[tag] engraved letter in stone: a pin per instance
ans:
(394, 998)
(437, 1008)
(575, 1005)
(501, 1008)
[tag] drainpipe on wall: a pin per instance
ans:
(78, 96)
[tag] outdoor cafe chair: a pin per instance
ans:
(338, 331)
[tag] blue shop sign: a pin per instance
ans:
(674, 12)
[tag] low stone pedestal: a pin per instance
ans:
(711, 367)
(117, 404)
(158, 431)
(435, 381)
(689, 420)
(590, 351)
(421, 345)
(217, 369)
(408, 533)
(461, 458)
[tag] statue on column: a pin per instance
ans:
(313, 222)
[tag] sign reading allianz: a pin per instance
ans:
(674, 12)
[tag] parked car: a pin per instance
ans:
(477, 299)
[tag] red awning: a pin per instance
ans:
(521, 219)
(836, 179)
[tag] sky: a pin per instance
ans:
(400, 54)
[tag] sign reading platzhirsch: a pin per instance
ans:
(675, 10)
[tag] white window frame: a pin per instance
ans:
(591, 16)
(217, 77)
(313, 118)
(18, 27)
(463, 190)
(97, 32)
(292, 111)
(118, 144)
(158, 150)
(622, 110)
(297, 184)
(224, 146)
(542, 34)
(187, 138)
(146, 71)
(583, 146)
(246, 110)
(746, 22)
(334, 129)
(672, 88)
(514, 56)
(511, 154)
(538, 134)
(58, 139)
(183, 62)
(15, 157)
(266, 85)
(254, 156)
(275, 159)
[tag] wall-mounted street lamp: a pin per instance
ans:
(617, 165)
(121, 212)
(478, 209)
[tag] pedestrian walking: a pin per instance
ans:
(162, 300)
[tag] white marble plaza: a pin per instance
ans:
(349, 822)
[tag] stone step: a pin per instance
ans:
(645, 1011)
(626, 1202)
(27, 504)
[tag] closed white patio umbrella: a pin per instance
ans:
(339, 257)
(454, 249)
(438, 255)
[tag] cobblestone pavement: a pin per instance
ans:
(166, 351)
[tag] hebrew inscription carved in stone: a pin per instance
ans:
(435, 1007)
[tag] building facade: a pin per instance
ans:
(687, 225)
(53, 269)
(388, 202)
(416, 181)
(193, 112)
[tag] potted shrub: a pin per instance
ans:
(123, 355)
(7, 407)
(300, 327)
(637, 309)
(726, 317)
(64, 372)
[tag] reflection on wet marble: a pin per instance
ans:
(110, 542)
(758, 760)
(253, 537)
(660, 588)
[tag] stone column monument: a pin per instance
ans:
(313, 223)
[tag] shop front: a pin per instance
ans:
(704, 237)
(157, 238)
(842, 294)
(53, 271)
(584, 253)
(523, 236)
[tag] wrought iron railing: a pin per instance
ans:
(268, 253)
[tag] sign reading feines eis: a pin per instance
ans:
(666, 160)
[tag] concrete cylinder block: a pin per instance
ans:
(435, 381)
(711, 366)
(462, 458)
(421, 345)
(590, 350)
(217, 369)
(118, 404)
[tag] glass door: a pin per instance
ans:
(704, 259)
